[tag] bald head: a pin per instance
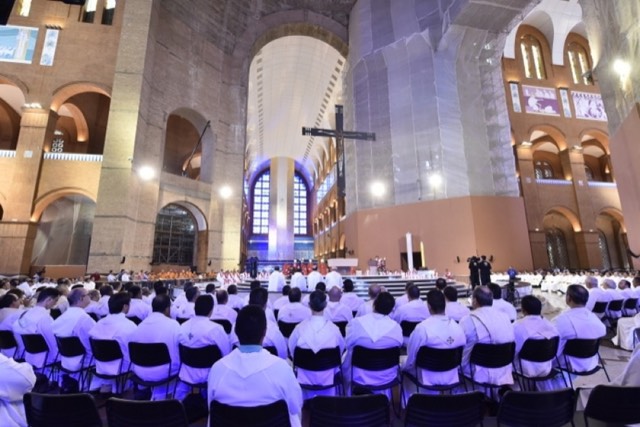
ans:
(374, 290)
(335, 294)
(591, 282)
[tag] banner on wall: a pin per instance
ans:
(17, 43)
(540, 100)
(49, 48)
(589, 106)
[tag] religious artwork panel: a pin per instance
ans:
(17, 43)
(589, 106)
(540, 100)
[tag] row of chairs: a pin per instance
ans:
(607, 310)
(607, 404)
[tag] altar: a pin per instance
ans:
(344, 265)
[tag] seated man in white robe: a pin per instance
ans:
(187, 309)
(294, 312)
(375, 330)
(138, 308)
(454, 310)
(115, 326)
(502, 305)
(533, 326)
(336, 311)
(436, 331)
(17, 379)
(159, 327)
(578, 322)
(75, 322)
(284, 299)
(630, 377)
(486, 325)
(250, 375)
(102, 308)
(415, 310)
(366, 308)
(181, 299)
(222, 310)
(9, 312)
(37, 320)
(198, 332)
(404, 298)
(349, 297)
(596, 294)
(316, 333)
(299, 281)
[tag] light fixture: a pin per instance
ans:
(225, 192)
(577, 147)
(435, 180)
(146, 173)
(377, 189)
(32, 106)
(526, 143)
(622, 68)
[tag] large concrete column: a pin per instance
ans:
(281, 208)
(126, 206)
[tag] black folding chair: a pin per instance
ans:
(445, 410)
(94, 316)
(324, 360)
(149, 355)
(343, 327)
(36, 344)
(600, 308)
(614, 312)
(226, 324)
(435, 360)
(537, 351)
(286, 328)
(582, 349)
(271, 349)
(55, 313)
(198, 358)
(8, 342)
(275, 414)
(158, 413)
(629, 308)
(491, 356)
(71, 347)
(181, 320)
(408, 327)
(354, 411)
(105, 351)
(636, 337)
(537, 408)
(135, 319)
(614, 405)
(61, 410)
(372, 359)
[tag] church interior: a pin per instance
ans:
(159, 134)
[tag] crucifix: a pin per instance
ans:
(339, 134)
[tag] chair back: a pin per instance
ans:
(615, 305)
(181, 320)
(275, 414)
(105, 350)
(135, 319)
(492, 355)
(373, 359)
(271, 349)
(613, 404)
(600, 307)
(343, 327)
(55, 313)
(201, 357)
(35, 343)
(226, 324)
(355, 411)
(539, 350)
(445, 410)
(94, 316)
(438, 359)
(325, 359)
(8, 340)
(286, 328)
(275, 312)
(408, 327)
(581, 348)
(541, 408)
(70, 346)
(61, 410)
(149, 354)
(636, 336)
(158, 413)
(630, 303)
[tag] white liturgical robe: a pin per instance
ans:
(8, 316)
(276, 281)
(413, 311)
(581, 323)
(37, 320)
(138, 308)
(316, 333)
(537, 328)
(333, 278)
(224, 312)
(506, 307)
(75, 322)
(294, 312)
(254, 379)
(17, 379)
(456, 311)
(313, 278)
(273, 338)
(114, 327)
(351, 300)
(374, 331)
(337, 312)
(299, 281)
(488, 326)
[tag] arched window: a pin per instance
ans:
(175, 236)
(557, 248)
(260, 217)
(543, 170)
(579, 63)
(300, 206)
(532, 60)
(604, 250)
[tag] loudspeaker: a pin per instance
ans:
(5, 10)
(74, 2)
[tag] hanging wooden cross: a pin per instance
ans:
(339, 134)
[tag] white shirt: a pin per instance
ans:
(337, 312)
(111, 277)
(455, 310)
(580, 323)
(533, 327)
(414, 311)
(437, 331)
(233, 381)
(276, 281)
(114, 327)
(299, 281)
(17, 379)
(198, 332)
(75, 322)
(490, 326)
(333, 278)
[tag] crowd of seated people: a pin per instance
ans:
(259, 361)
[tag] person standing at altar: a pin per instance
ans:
(276, 280)
(333, 278)
(314, 277)
(299, 281)
(474, 273)
(484, 267)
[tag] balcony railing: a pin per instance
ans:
(73, 157)
(602, 184)
(7, 153)
(554, 181)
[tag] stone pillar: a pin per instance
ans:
(126, 205)
(529, 187)
(281, 208)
